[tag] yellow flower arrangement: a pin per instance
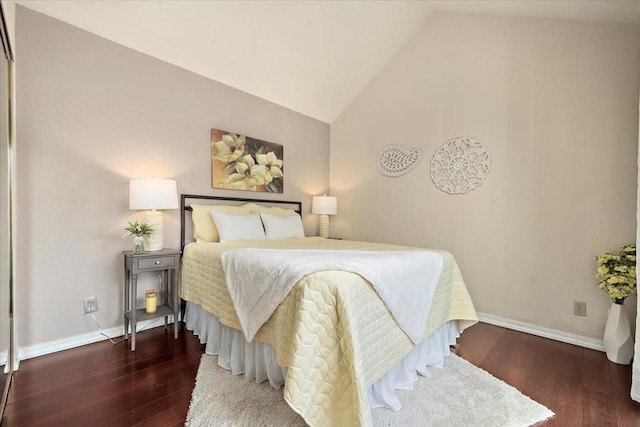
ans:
(617, 273)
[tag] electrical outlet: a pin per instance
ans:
(579, 308)
(89, 305)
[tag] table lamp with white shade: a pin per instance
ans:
(151, 195)
(324, 206)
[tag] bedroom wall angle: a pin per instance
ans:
(91, 115)
(556, 102)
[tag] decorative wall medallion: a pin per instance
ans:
(460, 165)
(396, 160)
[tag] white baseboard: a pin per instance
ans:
(80, 340)
(579, 340)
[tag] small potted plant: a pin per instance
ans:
(617, 275)
(139, 231)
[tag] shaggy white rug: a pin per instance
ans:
(460, 394)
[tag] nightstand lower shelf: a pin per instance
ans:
(141, 313)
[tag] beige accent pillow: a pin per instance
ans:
(274, 210)
(204, 230)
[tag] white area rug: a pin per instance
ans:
(460, 394)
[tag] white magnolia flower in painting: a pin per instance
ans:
(230, 148)
(248, 174)
(272, 164)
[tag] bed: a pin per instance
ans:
(332, 341)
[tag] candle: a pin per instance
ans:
(151, 301)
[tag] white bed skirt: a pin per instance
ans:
(257, 361)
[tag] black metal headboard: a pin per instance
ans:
(187, 199)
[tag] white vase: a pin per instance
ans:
(617, 336)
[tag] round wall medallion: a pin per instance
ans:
(460, 165)
(396, 160)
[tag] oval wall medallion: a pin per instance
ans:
(396, 160)
(460, 165)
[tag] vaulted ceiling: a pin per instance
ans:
(313, 57)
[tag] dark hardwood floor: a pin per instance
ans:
(106, 384)
(580, 385)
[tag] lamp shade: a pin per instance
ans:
(153, 193)
(324, 205)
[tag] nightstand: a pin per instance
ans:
(165, 260)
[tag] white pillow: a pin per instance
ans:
(282, 227)
(204, 230)
(238, 227)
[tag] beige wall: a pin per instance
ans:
(93, 114)
(556, 103)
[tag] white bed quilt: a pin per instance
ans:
(332, 332)
(259, 279)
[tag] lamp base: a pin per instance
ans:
(323, 227)
(155, 239)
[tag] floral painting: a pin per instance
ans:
(239, 162)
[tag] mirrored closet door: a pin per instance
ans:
(6, 235)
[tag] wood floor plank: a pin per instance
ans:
(595, 409)
(627, 411)
(540, 383)
(30, 410)
(595, 372)
(479, 341)
(508, 351)
(41, 371)
(38, 386)
(129, 399)
(155, 407)
(559, 368)
(174, 416)
(96, 383)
